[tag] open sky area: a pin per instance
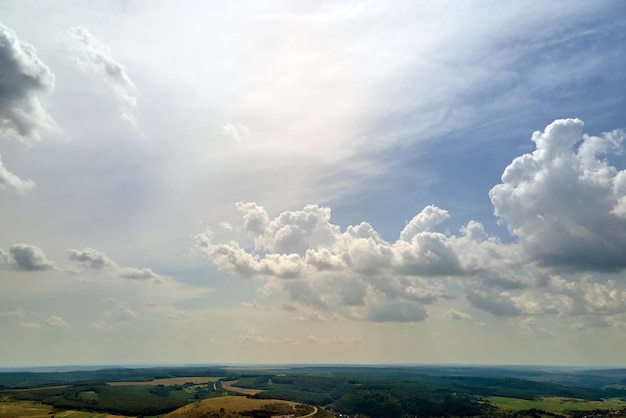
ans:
(312, 181)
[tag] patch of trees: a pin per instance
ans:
(274, 409)
(394, 402)
(121, 400)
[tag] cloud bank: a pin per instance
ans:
(564, 202)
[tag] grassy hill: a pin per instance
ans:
(241, 406)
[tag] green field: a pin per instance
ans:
(554, 404)
(10, 408)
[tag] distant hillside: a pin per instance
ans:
(241, 406)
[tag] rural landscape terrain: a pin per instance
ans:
(314, 391)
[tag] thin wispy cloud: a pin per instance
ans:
(91, 54)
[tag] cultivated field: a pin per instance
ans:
(169, 382)
(29, 409)
(554, 404)
(229, 386)
(237, 406)
(10, 408)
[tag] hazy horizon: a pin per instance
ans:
(418, 182)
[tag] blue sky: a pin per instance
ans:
(415, 182)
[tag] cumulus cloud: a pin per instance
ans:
(357, 274)
(9, 181)
(57, 322)
(354, 273)
(22, 114)
(26, 257)
(98, 260)
(91, 258)
(454, 314)
(92, 54)
(583, 298)
(424, 221)
(565, 201)
(30, 324)
(24, 77)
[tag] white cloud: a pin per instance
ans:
(564, 201)
(139, 274)
(91, 53)
(454, 314)
(22, 114)
(57, 322)
(100, 261)
(423, 222)
(30, 324)
(91, 258)
(9, 181)
(353, 273)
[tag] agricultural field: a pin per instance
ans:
(173, 381)
(10, 408)
(555, 404)
(241, 406)
(229, 387)
(348, 390)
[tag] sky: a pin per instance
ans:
(415, 182)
